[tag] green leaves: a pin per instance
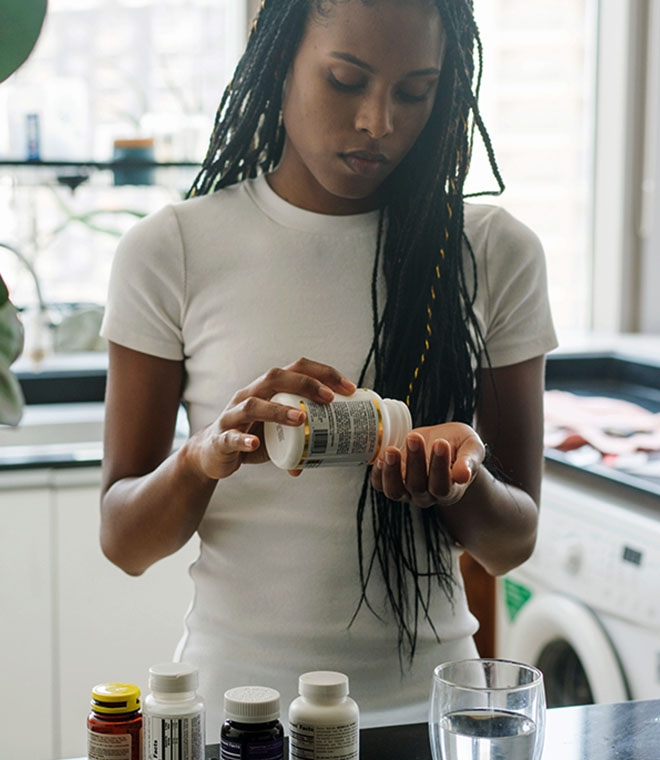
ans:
(20, 26)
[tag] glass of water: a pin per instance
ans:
(486, 710)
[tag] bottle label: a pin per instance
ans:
(268, 750)
(341, 433)
(109, 746)
(309, 742)
(174, 738)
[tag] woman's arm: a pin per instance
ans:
(152, 500)
(442, 468)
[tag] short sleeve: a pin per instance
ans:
(147, 288)
(518, 320)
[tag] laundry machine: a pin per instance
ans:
(585, 608)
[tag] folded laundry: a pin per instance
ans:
(610, 425)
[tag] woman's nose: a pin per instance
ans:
(375, 116)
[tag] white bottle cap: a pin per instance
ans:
(252, 704)
(173, 678)
(400, 421)
(323, 684)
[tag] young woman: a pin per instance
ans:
(328, 222)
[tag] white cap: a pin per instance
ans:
(323, 684)
(173, 678)
(252, 704)
(400, 422)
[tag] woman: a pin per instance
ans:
(328, 222)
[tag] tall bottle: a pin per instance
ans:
(173, 714)
(324, 721)
(351, 430)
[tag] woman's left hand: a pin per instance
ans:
(435, 467)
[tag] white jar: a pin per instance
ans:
(351, 430)
(173, 714)
(324, 722)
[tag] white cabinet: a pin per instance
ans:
(26, 635)
(71, 619)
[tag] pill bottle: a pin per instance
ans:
(351, 430)
(114, 726)
(173, 714)
(324, 721)
(252, 728)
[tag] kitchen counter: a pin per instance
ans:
(620, 731)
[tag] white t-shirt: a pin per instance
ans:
(237, 282)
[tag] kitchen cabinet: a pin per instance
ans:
(26, 636)
(74, 619)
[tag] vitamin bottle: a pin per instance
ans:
(173, 714)
(252, 729)
(349, 430)
(114, 726)
(324, 721)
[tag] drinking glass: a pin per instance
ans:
(486, 710)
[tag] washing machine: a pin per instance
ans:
(585, 608)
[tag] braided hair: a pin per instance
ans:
(427, 347)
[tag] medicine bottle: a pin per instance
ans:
(351, 430)
(324, 721)
(252, 729)
(173, 714)
(114, 726)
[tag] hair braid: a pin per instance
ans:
(427, 347)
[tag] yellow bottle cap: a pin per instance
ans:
(115, 698)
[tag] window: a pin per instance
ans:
(538, 100)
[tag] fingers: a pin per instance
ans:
(468, 459)
(430, 471)
(325, 374)
(254, 409)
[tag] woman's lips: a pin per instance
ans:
(365, 164)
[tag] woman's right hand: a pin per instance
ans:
(236, 437)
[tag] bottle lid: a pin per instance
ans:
(115, 698)
(323, 684)
(252, 704)
(173, 677)
(400, 421)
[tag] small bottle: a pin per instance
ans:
(252, 728)
(324, 722)
(351, 430)
(173, 714)
(114, 726)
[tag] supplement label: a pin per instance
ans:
(109, 746)
(323, 742)
(341, 433)
(269, 750)
(174, 738)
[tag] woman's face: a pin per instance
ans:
(359, 92)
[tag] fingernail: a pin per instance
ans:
(346, 383)
(249, 441)
(294, 415)
(326, 393)
(390, 457)
(379, 463)
(413, 444)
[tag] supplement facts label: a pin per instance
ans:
(174, 738)
(323, 742)
(344, 432)
(109, 746)
(268, 750)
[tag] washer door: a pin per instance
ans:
(565, 640)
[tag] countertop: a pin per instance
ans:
(620, 731)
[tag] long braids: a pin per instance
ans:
(427, 347)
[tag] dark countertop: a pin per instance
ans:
(620, 731)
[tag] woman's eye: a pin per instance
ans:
(413, 97)
(344, 86)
